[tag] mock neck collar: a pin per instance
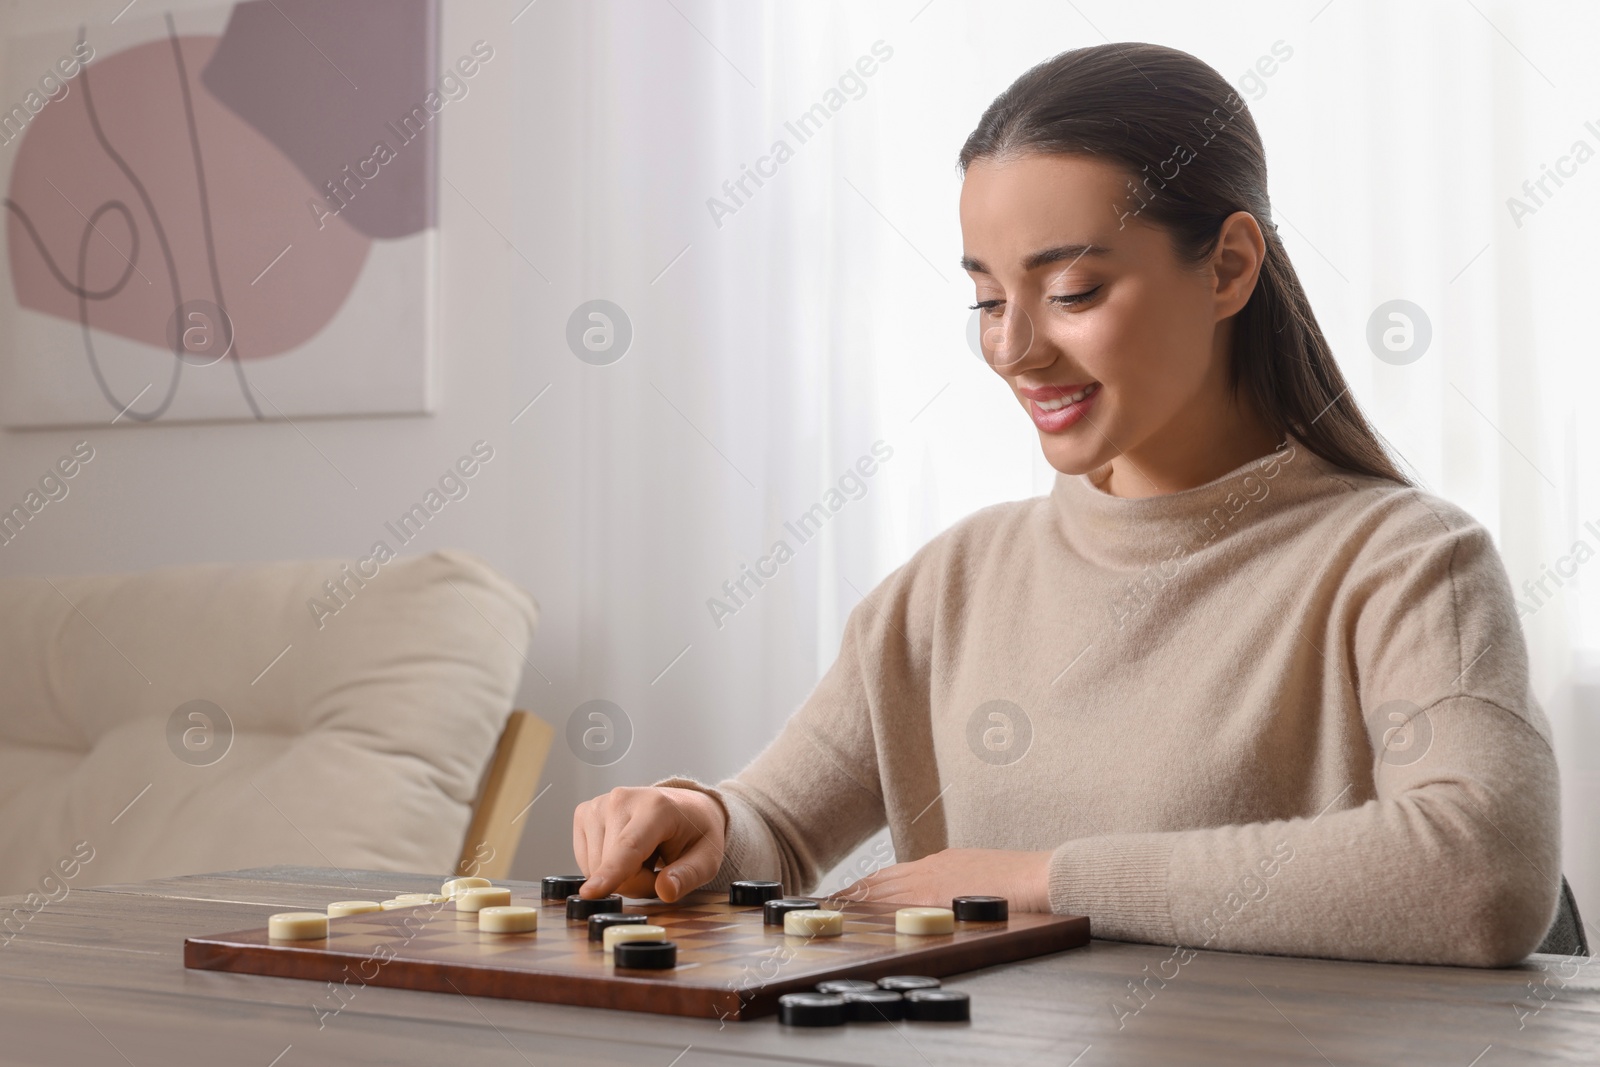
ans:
(1135, 532)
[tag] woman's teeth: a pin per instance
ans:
(1057, 405)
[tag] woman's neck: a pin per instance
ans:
(1189, 452)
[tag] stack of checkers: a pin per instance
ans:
(630, 940)
(887, 1000)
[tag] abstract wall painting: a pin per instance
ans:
(224, 214)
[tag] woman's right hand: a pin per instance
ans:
(620, 838)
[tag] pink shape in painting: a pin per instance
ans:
(257, 203)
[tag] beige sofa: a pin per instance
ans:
(362, 716)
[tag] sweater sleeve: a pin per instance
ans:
(1449, 854)
(817, 791)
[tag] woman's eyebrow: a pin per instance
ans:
(1073, 252)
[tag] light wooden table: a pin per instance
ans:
(98, 978)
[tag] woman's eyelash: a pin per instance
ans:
(1076, 298)
(1066, 298)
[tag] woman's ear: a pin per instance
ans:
(1236, 262)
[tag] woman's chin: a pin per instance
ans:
(1074, 457)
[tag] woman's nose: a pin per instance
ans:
(1007, 343)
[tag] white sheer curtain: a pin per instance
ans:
(748, 391)
(826, 311)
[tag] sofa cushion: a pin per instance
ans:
(362, 746)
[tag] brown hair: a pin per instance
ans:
(1151, 109)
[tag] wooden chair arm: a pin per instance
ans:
(504, 796)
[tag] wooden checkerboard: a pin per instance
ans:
(730, 966)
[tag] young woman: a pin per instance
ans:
(1235, 682)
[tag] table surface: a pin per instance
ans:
(98, 977)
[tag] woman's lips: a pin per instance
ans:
(1068, 413)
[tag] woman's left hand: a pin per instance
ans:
(1021, 877)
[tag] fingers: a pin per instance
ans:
(594, 834)
(620, 838)
(588, 834)
(904, 893)
(896, 884)
(629, 849)
(694, 868)
(580, 837)
(625, 830)
(862, 888)
(861, 892)
(640, 884)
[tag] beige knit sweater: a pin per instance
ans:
(1286, 711)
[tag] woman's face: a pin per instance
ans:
(1113, 346)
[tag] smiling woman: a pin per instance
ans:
(1335, 674)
